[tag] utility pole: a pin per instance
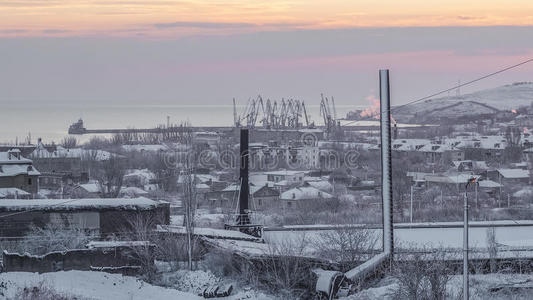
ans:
(477, 195)
(466, 292)
(465, 247)
(411, 213)
(386, 163)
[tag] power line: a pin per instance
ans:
(464, 84)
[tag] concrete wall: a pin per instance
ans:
(82, 259)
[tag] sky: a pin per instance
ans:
(208, 52)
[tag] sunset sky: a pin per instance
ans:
(211, 51)
(174, 18)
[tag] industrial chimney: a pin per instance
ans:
(243, 218)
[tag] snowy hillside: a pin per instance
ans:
(482, 102)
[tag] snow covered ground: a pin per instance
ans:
(480, 286)
(183, 285)
(426, 237)
(91, 285)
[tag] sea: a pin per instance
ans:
(23, 121)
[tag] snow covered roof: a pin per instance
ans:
(323, 185)
(482, 142)
(488, 184)
(471, 164)
(132, 191)
(139, 203)
(409, 144)
(303, 193)
(114, 244)
(81, 153)
(91, 187)
(514, 173)
(247, 248)
(144, 173)
(202, 186)
(525, 192)
(209, 232)
(149, 148)
(446, 178)
(9, 158)
(284, 173)
(9, 170)
(437, 148)
(10, 192)
(235, 188)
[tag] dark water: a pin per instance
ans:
(50, 121)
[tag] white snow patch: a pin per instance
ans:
(93, 285)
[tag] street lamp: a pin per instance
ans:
(465, 241)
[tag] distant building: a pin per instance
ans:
(298, 196)
(290, 177)
(18, 172)
(141, 178)
(513, 176)
(99, 216)
(470, 165)
(261, 197)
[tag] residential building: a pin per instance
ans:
(298, 196)
(18, 172)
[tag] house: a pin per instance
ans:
(490, 187)
(300, 195)
(481, 147)
(470, 165)
(18, 172)
(437, 152)
(85, 190)
(69, 168)
(102, 217)
(261, 196)
(506, 176)
(322, 185)
(83, 154)
(132, 192)
(290, 177)
(455, 180)
(141, 178)
(305, 156)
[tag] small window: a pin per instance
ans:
(29, 181)
(289, 204)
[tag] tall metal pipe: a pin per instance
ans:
(466, 293)
(386, 162)
(243, 176)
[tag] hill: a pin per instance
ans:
(484, 102)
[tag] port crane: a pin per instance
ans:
(285, 114)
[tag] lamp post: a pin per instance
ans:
(465, 241)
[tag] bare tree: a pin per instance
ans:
(140, 228)
(422, 274)
(69, 142)
(54, 237)
(286, 267)
(347, 244)
(110, 174)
